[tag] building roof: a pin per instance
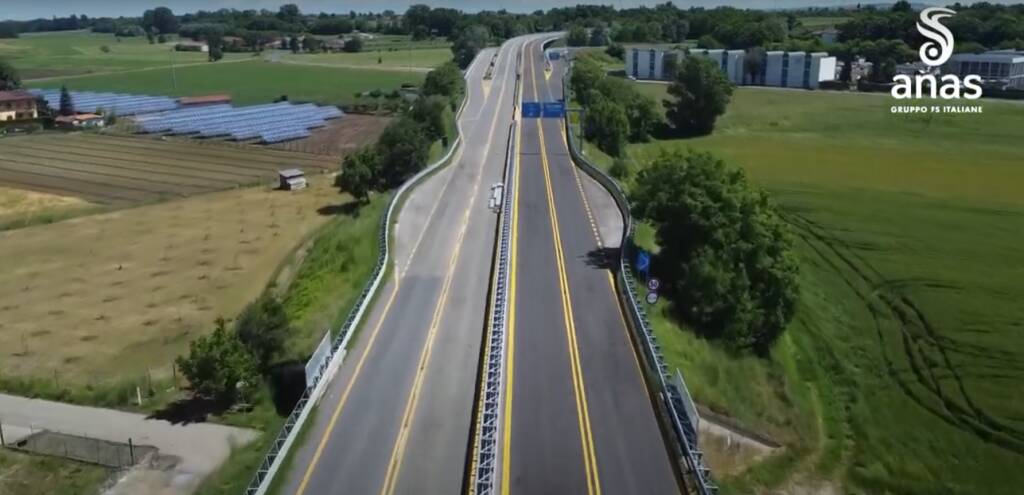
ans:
(199, 100)
(16, 95)
(77, 117)
(290, 173)
(192, 43)
(1010, 56)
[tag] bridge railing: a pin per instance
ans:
(282, 443)
(676, 406)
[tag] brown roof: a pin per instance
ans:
(17, 95)
(195, 100)
(77, 117)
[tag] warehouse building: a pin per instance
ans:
(781, 69)
(1000, 69)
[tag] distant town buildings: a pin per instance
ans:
(17, 105)
(1000, 69)
(781, 69)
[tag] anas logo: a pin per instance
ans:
(935, 52)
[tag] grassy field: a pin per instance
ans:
(22, 474)
(411, 58)
(100, 299)
(80, 52)
(121, 170)
(899, 372)
(248, 82)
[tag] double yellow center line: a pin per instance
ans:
(579, 388)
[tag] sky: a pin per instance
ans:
(31, 9)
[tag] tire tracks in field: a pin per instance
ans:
(917, 335)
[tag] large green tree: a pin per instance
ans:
(700, 94)
(446, 81)
(469, 42)
(67, 106)
(262, 328)
(403, 148)
(359, 173)
(218, 366)
(577, 36)
(434, 114)
(607, 125)
(726, 257)
(161, 20)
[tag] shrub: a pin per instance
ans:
(219, 366)
(700, 94)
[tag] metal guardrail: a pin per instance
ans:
(484, 468)
(286, 436)
(674, 397)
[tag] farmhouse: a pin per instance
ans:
(17, 105)
(192, 46)
(292, 179)
(79, 121)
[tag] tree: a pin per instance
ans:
(709, 42)
(216, 52)
(577, 36)
(725, 251)
(403, 148)
(353, 45)
(616, 50)
(598, 36)
(445, 80)
(160, 20)
(619, 169)
(434, 114)
(9, 78)
(67, 107)
(218, 365)
(312, 44)
(606, 124)
(294, 44)
(701, 93)
(358, 173)
(585, 75)
(469, 42)
(262, 328)
(753, 64)
(289, 13)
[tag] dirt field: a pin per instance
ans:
(21, 205)
(124, 170)
(341, 136)
(101, 296)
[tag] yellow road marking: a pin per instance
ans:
(398, 450)
(583, 196)
(583, 414)
(506, 454)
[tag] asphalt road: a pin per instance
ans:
(397, 418)
(580, 420)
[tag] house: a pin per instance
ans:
(291, 179)
(196, 101)
(80, 121)
(17, 105)
(192, 46)
(1000, 69)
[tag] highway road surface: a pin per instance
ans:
(578, 418)
(398, 416)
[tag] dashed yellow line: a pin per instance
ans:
(583, 196)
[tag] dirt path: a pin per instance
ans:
(189, 452)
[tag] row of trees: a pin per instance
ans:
(615, 111)
(404, 147)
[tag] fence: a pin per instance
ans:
(116, 455)
(677, 407)
(286, 436)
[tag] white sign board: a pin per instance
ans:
(318, 360)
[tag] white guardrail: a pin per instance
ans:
(293, 424)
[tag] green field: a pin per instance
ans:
(24, 474)
(902, 370)
(80, 52)
(426, 58)
(251, 81)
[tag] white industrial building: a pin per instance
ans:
(782, 69)
(1002, 69)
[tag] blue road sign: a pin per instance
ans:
(643, 262)
(554, 109)
(554, 55)
(531, 109)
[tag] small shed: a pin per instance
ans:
(292, 179)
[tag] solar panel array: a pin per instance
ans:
(120, 104)
(270, 123)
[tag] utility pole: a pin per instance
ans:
(174, 76)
